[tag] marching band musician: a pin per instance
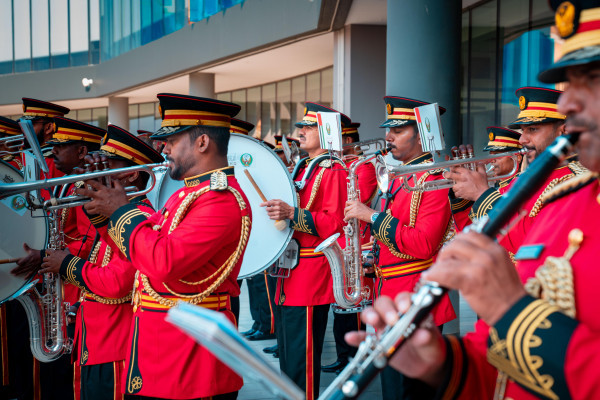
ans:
(367, 185)
(500, 140)
(539, 333)
(191, 250)
(106, 278)
(304, 297)
(540, 123)
(9, 128)
(72, 141)
(42, 114)
(411, 228)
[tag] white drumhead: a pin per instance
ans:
(266, 243)
(18, 227)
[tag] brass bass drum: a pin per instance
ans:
(266, 244)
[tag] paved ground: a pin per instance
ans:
(254, 390)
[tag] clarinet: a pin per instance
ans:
(373, 353)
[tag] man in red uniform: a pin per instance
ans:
(42, 114)
(411, 228)
(536, 339)
(540, 123)
(347, 321)
(72, 141)
(191, 250)
(106, 279)
(501, 140)
(303, 298)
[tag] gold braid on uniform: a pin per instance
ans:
(570, 186)
(553, 283)
(224, 270)
(415, 202)
(315, 187)
(105, 261)
(575, 167)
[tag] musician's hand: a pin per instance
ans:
(356, 209)
(53, 261)
(424, 353)
(278, 209)
(72, 314)
(28, 265)
(105, 200)
(468, 184)
(482, 270)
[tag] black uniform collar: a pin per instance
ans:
(425, 157)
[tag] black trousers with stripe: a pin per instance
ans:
(101, 381)
(300, 341)
(342, 324)
(261, 303)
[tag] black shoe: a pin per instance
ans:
(271, 350)
(336, 367)
(249, 332)
(276, 354)
(258, 335)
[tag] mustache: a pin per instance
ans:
(581, 123)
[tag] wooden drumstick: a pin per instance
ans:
(9, 260)
(279, 225)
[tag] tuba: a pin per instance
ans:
(349, 289)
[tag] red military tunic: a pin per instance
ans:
(13, 161)
(545, 353)
(519, 227)
(320, 214)
(79, 236)
(105, 314)
(162, 361)
(411, 233)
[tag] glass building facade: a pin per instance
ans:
(45, 34)
(504, 46)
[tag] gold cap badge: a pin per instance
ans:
(305, 110)
(491, 135)
(565, 19)
(522, 102)
(389, 108)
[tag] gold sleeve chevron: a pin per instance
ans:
(122, 224)
(303, 222)
(529, 344)
(484, 203)
(384, 229)
(71, 271)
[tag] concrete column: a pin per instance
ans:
(118, 111)
(202, 84)
(423, 56)
(359, 76)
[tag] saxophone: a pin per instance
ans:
(46, 311)
(346, 264)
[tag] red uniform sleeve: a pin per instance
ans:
(423, 240)
(367, 182)
(86, 233)
(115, 280)
(167, 257)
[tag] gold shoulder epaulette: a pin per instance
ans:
(327, 163)
(577, 168)
(569, 186)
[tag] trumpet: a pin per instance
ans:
(367, 147)
(389, 173)
(12, 144)
(11, 189)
